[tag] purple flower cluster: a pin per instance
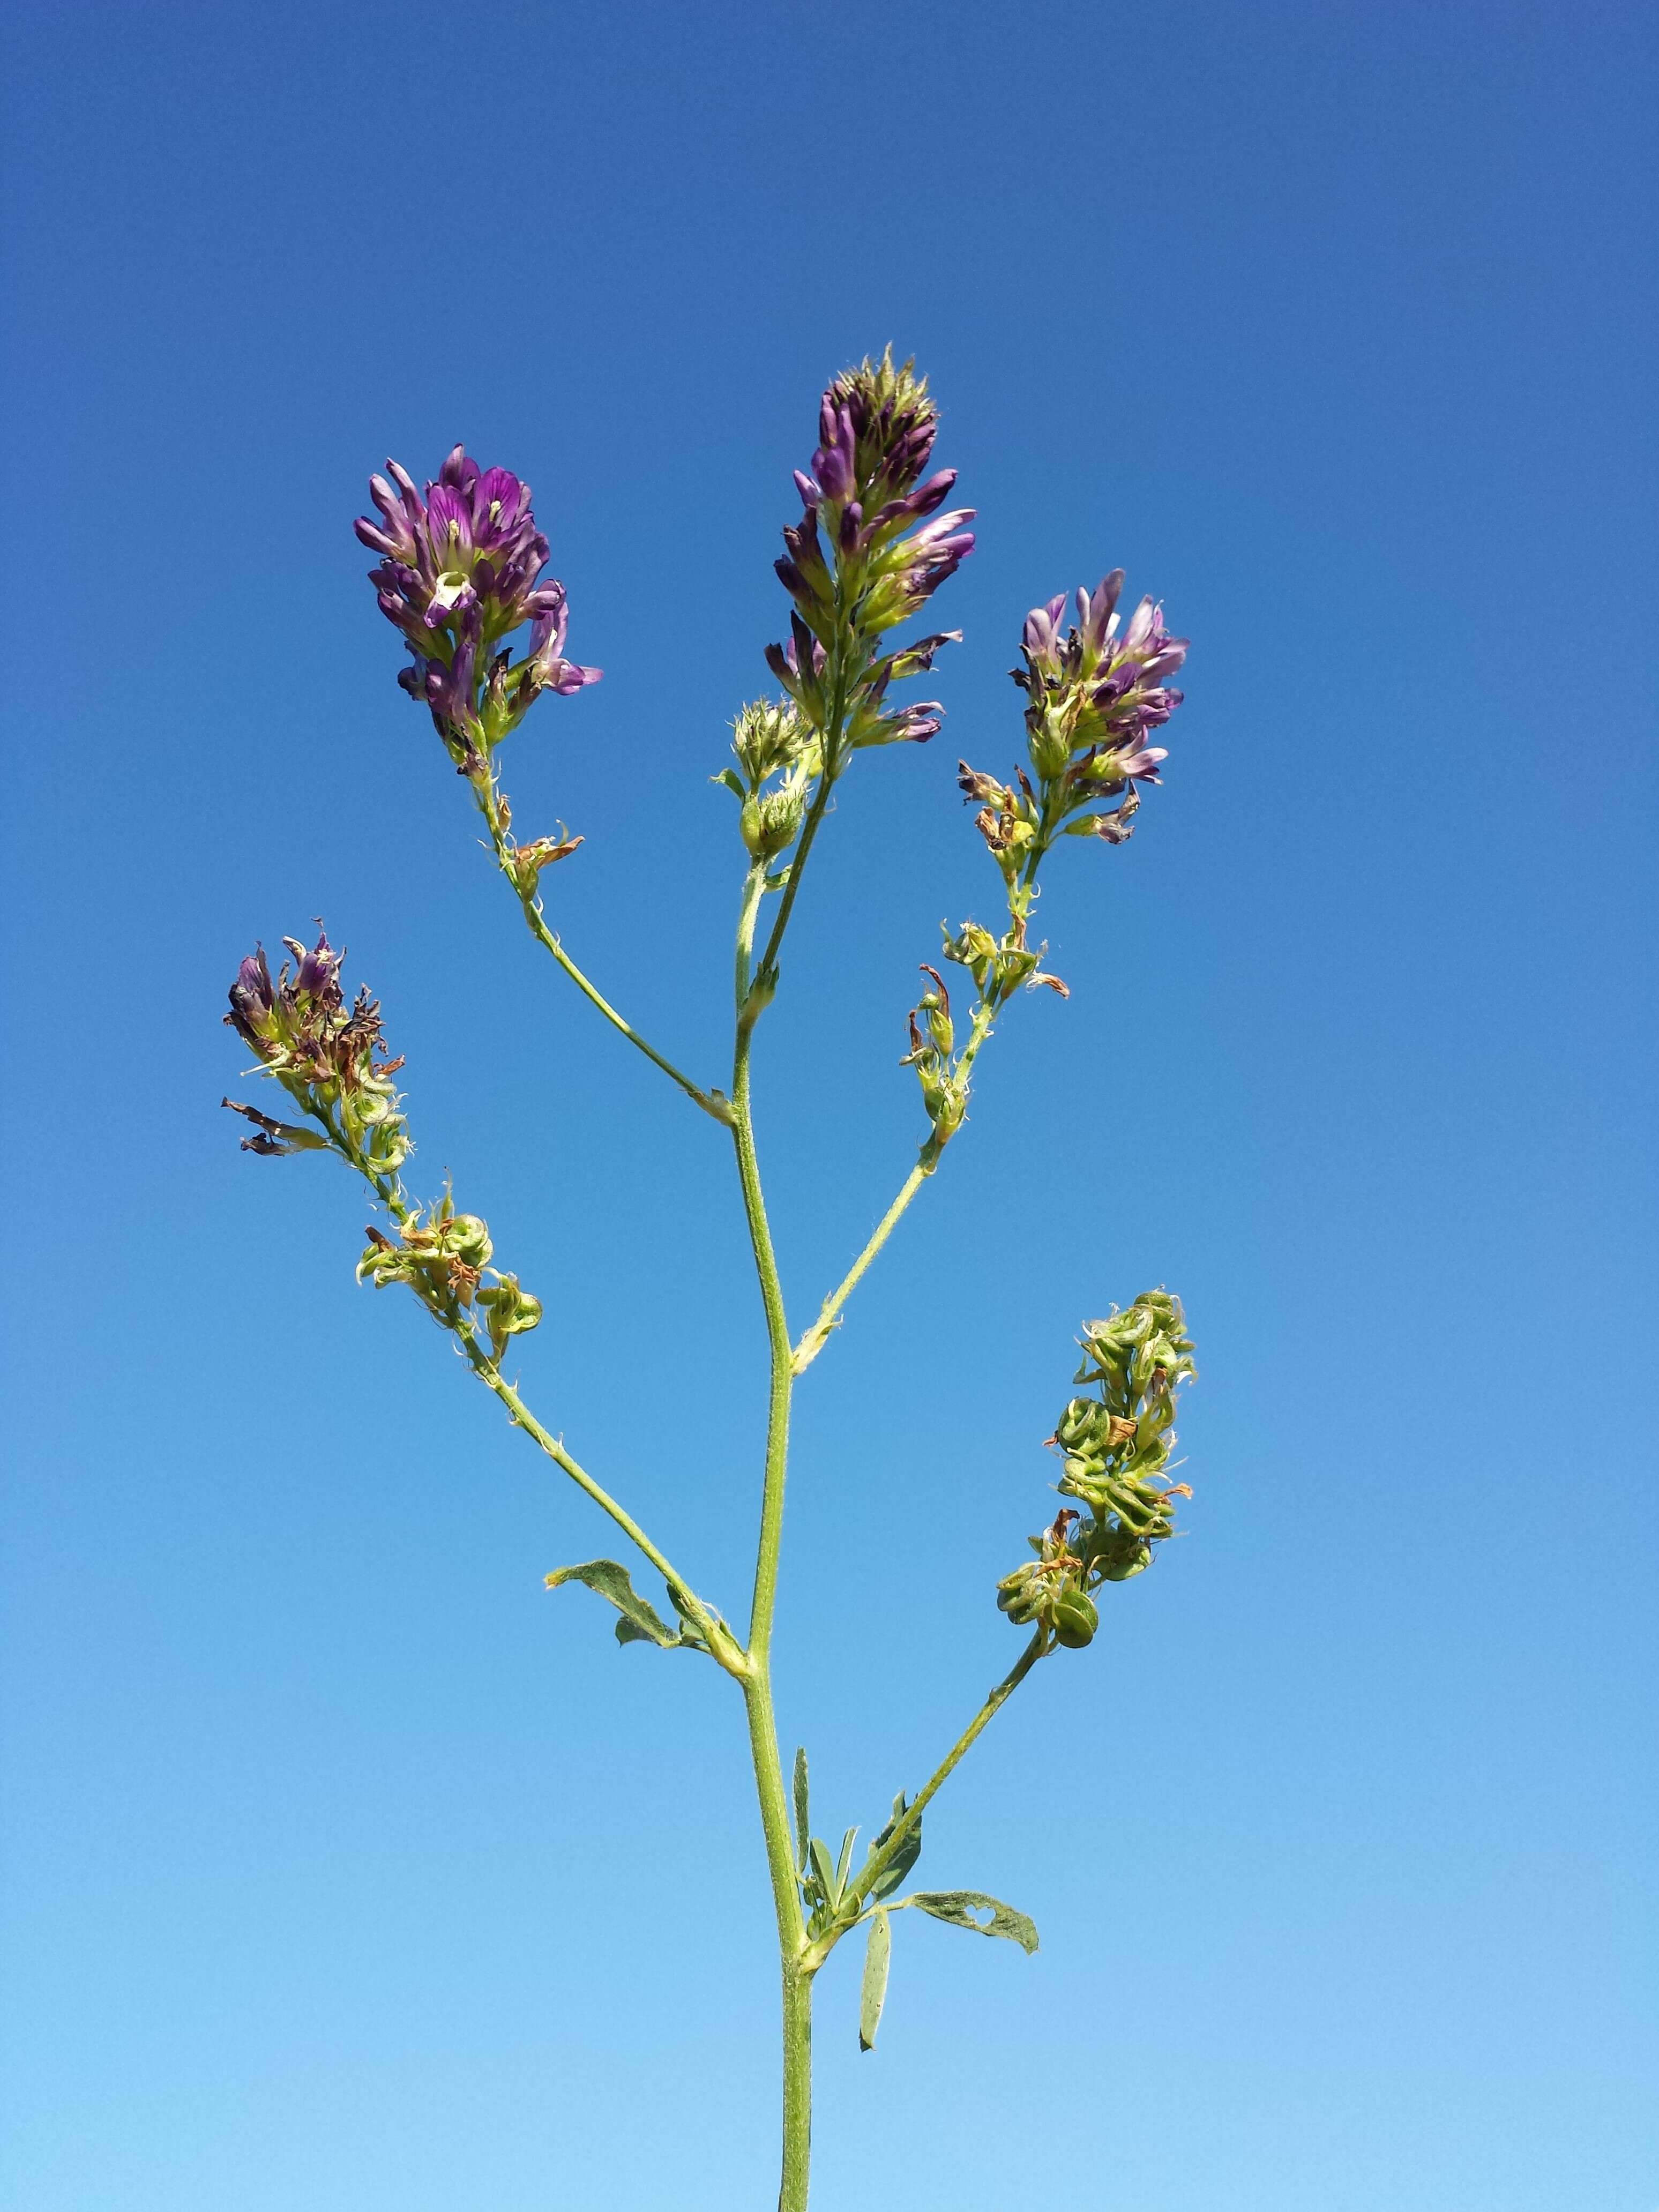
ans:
(1096, 693)
(1098, 688)
(850, 568)
(461, 570)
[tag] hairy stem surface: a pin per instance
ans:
(818, 1336)
(757, 1686)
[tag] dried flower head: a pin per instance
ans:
(329, 1057)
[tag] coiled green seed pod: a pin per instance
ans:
(1073, 1619)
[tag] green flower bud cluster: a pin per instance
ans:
(443, 1260)
(1116, 1446)
(778, 762)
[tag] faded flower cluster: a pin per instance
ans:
(327, 1055)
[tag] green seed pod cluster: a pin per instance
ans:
(442, 1259)
(1115, 1447)
(1050, 1592)
(508, 1310)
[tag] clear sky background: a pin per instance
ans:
(345, 1868)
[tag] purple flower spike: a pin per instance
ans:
(848, 566)
(462, 570)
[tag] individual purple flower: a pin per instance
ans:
(800, 667)
(252, 1002)
(461, 570)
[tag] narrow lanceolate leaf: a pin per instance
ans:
(907, 1854)
(878, 1953)
(826, 1873)
(608, 1578)
(845, 1860)
(966, 1908)
(803, 1818)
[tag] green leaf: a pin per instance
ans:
(845, 1861)
(873, 1995)
(803, 1819)
(733, 781)
(827, 1885)
(908, 1851)
(962, 1908)
(609, 1579)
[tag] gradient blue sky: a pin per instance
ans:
(343, 1868)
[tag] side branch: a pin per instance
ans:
(722, 1642)
(878, 1861)
(485, 1364)
(523, 880)
(818, 1336)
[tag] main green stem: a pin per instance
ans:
(758, 1680)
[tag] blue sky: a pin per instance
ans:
(345, 1868)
